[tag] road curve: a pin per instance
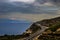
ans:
(39, 32)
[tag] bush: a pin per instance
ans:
(55, 27)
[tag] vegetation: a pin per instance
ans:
(34, 28)
(54, 27)
(54, 35)
(9, 37)
(49, 37)
(13, 37)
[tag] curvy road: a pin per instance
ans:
(39, 32)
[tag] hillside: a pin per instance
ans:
(45, 22)
(54, 28)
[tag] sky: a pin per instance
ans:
(23, 0)
(26, 11)
(29, 9)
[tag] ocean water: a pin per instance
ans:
(13, 27)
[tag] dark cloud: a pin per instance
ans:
(55, 2)
(41, 1)
(36, 11)
(4, 0)
(25, 8)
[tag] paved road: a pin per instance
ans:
(39, 32)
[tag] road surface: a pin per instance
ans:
(39, 32)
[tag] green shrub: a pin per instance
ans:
(55, 27)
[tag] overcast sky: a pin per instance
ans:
(33, 10)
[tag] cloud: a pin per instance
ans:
(55, 2)
(41, 1)
(48, 4)
(27, 8)
(36, 11)
(25, 1)
(30, 17)
(39, 6)
(4, 0)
